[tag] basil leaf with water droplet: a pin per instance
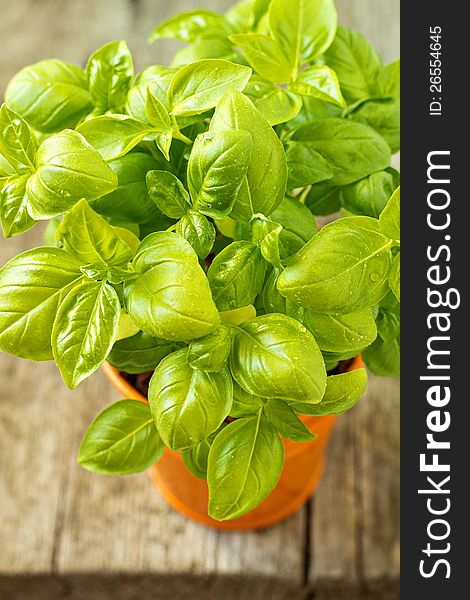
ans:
(168, 193)
(342, 333)
(198, 231)
(171, 298)
(352, 150)
(199, 86)
(245, 463)
(32, 286)
(274, 356)
(14, 214)
(188, 404)
(90, 238)
(342, 393)
(18, 144)
(211, 352)
(236, 275)
(217, 169)
(68, 169)
(85, 330)
(342, 269)
(266, 179)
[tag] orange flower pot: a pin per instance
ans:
(303, 468)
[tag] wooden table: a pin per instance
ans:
(68, 534)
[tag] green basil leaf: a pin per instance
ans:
(388, 80)
(236, 275)
(157, 114)
(306, 166)
(205, 48)
(217, 169)
(394, 277)
(286, 422)
(190, 26)
(18, 144)
(168, 193)
(51, 95)
(157, 80)
(388, 318)
(240, 15)
(342, 269)
(390, 218)
(383, 358)
(264, 187)
(303, 29)
(5, 169)
(239, 315)
(121, 440)
(298, 226)
(370, 195)
(355, 62)
(116, 135)
(244, 404)
(110, 72)
(276, 104)
(353, 150)
(130, 201)
(211, 352)
(85, 330)
(198, 231)
(139, 353)
(198, 87)
(312, 110)
(171, 298)
(342, 393)
(320, 82)
(195, 459)
(127, 327)
(245, 463)
(14, 214)
(274, 356)
(86, 235)
(324, 198)
(259, 9)
(342, 333)
(32, 285)
(188, 404)
(68, 169)
(383, 115)
(264, 55)
(266, 233)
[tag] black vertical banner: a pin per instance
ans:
(435, 396)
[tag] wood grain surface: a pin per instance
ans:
(66, 534)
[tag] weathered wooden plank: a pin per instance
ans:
(378, 487)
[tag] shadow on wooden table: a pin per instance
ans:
(182, 587)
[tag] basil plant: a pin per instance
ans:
(182, 240)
